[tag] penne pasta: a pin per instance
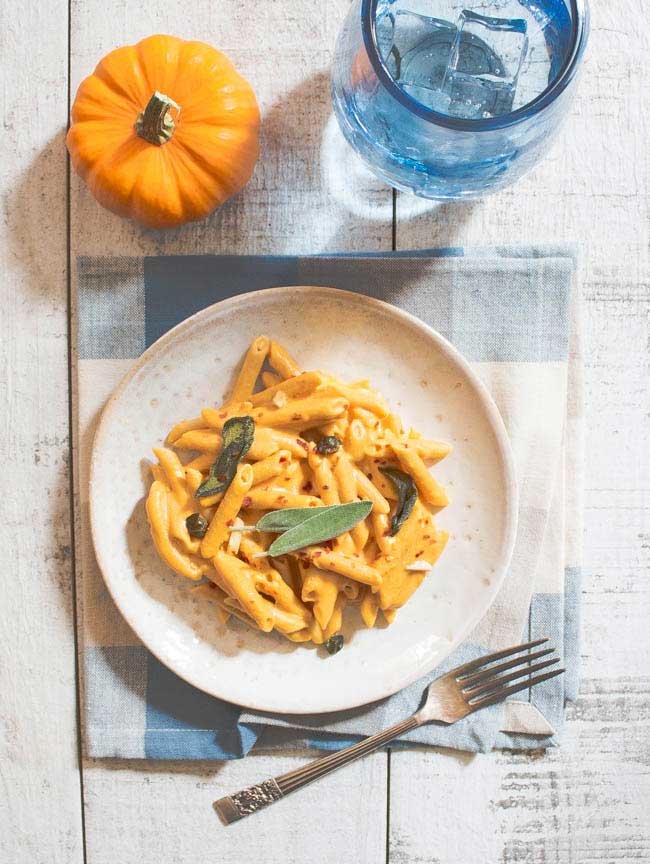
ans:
(293, 388)
(203, 440)
(211, 500)
(326, 485)
(370, 468)
(216, 418)
(243, 583)
(172, 469)
(344, 565)
(335, 622)
(367, 489)
(231, 504)
(270, 467)
(321, 590)
(158, 513)
(270, 379)
(272, 584)
(338, 427)
(428, 487)
(282, 362)
(381, 532)
(429, 451)
(369, 607)
(202, 462)
(267, 441)
(356, 396)
(313, 633)
(372, 423)
(305, 441)
(356, 440)
(393, 423)
(268, 497)
(302, 413)
(183, 427)
(251, 368)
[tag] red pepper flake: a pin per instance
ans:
(302, 444)
(230, 522)
(296, 416)
(247, 501)
(223, 414)
(327, 546)
(307, 487)
(369, 476)
(421, 552)
(387, 533)
(282, 499)
(325, 486)
(316, 553)
(212, 585)
(283, 459)
(426, 536)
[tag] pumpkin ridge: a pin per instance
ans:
(217, 170)
(106, 72)
(204, 174)
(159, 77)
(105, 162)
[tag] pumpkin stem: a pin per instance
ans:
(156, 124)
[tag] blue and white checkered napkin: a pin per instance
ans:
(511, 311)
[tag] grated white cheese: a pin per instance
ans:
(279, 399)
(235, 536)
(419, 566)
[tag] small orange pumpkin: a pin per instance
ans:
(164, 131)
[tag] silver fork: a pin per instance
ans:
(462, 691)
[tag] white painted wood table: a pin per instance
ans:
(586, 802)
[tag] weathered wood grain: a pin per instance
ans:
(40, 814)
(142, 814)
(161, 813)
(585, 802)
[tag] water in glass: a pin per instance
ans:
(455, 98)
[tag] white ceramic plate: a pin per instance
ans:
(429, 384)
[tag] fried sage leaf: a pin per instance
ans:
(197, 525)
(322, 526)
(328, 445)
(278, 521)
(334, 643)
(236, 439)
(407, 495)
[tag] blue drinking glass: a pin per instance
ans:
(452, 99)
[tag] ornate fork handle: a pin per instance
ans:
(250, 800)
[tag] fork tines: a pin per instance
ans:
(483, 684)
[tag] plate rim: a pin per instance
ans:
(448, 349)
